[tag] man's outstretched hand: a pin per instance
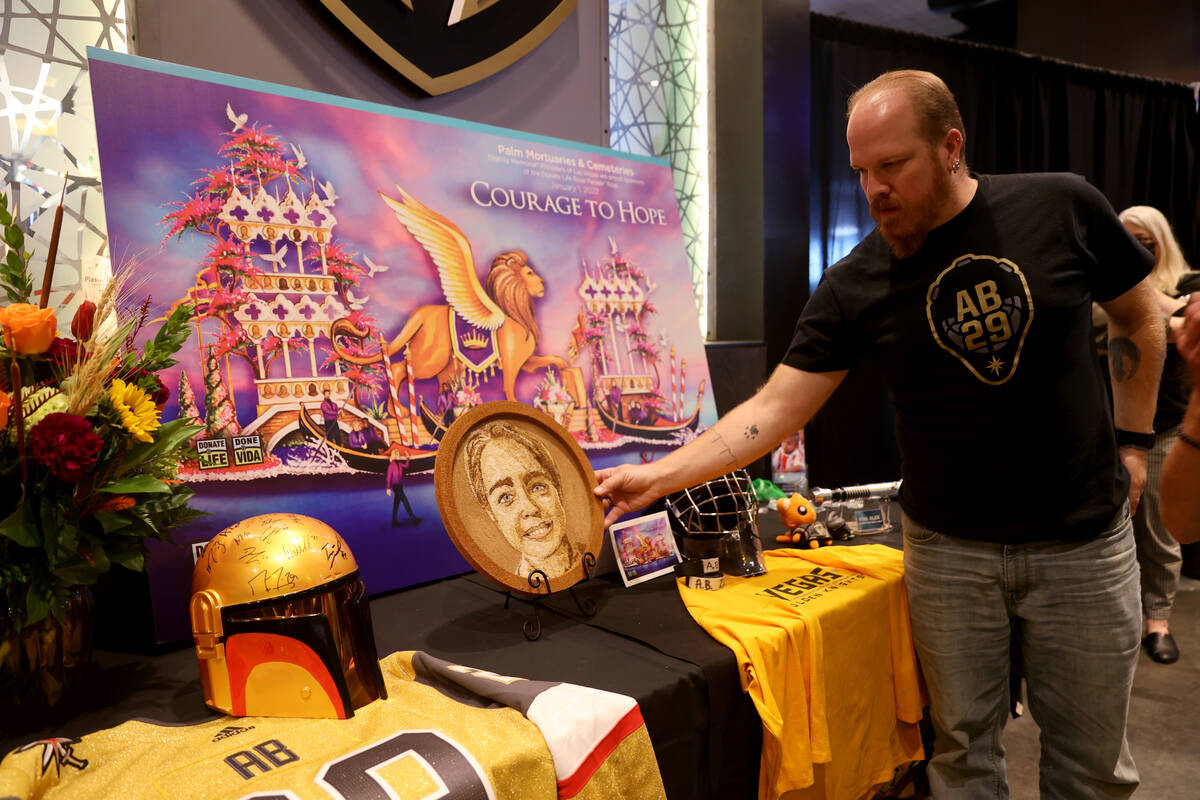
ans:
(626, 488)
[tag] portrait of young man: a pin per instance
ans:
(516, 480)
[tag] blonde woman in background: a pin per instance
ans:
(1158, 552)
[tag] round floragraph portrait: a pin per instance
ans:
(515, 493)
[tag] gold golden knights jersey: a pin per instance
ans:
(444, 731)
(824, 646)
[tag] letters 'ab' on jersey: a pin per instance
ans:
(443, 731)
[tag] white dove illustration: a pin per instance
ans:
(372, 268)
(301, 161)
(238, 120)
(277, 257)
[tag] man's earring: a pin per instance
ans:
(957, 164)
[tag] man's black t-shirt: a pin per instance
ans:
(984, 338)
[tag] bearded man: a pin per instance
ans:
(973, 298)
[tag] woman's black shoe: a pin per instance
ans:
(1161, 647)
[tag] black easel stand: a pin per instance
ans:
(540, 584)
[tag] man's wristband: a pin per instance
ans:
(1142, 441)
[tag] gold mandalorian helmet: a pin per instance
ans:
(281, 621)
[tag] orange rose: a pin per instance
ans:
(5, 402)
(28, 329)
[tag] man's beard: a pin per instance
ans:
(906, 237)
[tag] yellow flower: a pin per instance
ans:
(139, 416)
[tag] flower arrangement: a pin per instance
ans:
(467, 396)
(87, 468)
(550, 392)
(654, 402)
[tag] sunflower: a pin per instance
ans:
(138, 413)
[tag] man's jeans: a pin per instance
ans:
(1073, 611)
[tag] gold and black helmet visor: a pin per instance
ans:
(332, 623)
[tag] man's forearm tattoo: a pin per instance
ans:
(1124, 357)
(725, 450)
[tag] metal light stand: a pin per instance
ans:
(540, 584)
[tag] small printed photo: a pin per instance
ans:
(644, 547)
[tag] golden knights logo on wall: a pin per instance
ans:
(443, 45)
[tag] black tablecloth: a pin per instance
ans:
(640, 641)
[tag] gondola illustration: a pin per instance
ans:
(658, 427)
(418, 460)
(629, 393)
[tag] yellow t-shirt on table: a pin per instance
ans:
(824, 646)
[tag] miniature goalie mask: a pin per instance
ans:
(281, 621)
(716, 524)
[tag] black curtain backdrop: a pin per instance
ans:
(787, 122)
(1136, 139)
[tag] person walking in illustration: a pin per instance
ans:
(394, 480)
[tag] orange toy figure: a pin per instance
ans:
(799, 514)
(796, 511)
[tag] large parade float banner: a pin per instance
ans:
(359, 276)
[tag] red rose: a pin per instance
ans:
(85, 317)
(66, 444)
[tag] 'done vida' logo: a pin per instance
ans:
(443, 45)
(979, 309)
